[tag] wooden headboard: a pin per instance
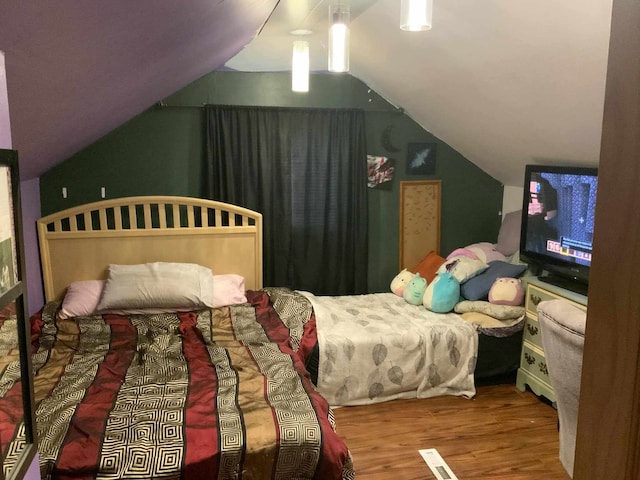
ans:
(79, 243)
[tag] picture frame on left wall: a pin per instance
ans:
(8, 258)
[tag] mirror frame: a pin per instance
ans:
(17, 293)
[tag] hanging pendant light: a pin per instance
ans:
(338, 38)
(300, 66)
(416, 15)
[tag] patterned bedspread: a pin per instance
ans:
(12, 431)
(377, 347)
(209, 394)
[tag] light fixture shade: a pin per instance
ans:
(416, 15)
(338, 38)
(300, 66)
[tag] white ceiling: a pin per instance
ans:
(504, 82)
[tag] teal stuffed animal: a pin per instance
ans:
(415, 289)
(442, 294)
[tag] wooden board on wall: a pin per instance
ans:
(419, 220)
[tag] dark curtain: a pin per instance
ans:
(305, 170)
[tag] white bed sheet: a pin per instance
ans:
(377, 347)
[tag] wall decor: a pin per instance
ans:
(421, 159)
(419, 220)
(385, 139)
(379, 171)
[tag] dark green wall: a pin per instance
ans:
(159, 152)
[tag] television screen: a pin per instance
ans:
(557, 222)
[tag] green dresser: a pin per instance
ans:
(533, 366)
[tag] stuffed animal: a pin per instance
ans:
(442, 294)
(506, 291)
(414, 290)
(400, 281)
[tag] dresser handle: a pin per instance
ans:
(543, 368)
(535, 299)
(533, 331)
(529, 358)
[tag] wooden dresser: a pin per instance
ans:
(533, 366)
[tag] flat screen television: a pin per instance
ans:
(558, 211)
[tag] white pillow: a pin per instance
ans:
(463, 268)
(157, 285)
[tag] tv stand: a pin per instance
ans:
(565, 283)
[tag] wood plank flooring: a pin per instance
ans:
(501, 433)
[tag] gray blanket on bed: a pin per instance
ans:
(377, 347)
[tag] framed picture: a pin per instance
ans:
(8, 257)
(421, 158)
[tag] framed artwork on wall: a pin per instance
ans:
(421, 158)
(8, 258)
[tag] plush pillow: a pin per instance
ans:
(478, 287)
(428, 266)
(502, 312)
(81, 298)
(463, 268)
(486, 252)
(228, 290)
(157, 285)
(506, 291)
(458, 252)
(400, 281)
(509, 235)
(442, 294)
(414, 290)
(493, 326)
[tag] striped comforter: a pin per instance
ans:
(209, 394)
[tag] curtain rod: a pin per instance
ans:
(162, 105)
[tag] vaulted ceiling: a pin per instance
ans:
(503, 82)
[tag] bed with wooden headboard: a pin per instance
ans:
(79, 243)
(207, 393)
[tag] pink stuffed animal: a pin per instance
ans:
(506, 291)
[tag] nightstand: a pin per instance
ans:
(533, 366)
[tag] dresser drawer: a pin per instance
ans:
(533, 362)
(532, 333)
(536, 295)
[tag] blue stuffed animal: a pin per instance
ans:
(442, 294)
(415, 289)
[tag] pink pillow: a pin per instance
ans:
(486, 252)
(81, 298)
(459, 252)
(228, 290)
